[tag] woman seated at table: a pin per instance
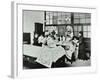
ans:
(75, 42)
(50, 53)
(68, 33)
(69, 47)
(36, 39)
(40, 39)
(50, 39)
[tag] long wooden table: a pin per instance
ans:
(46, 55)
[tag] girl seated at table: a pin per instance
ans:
(40, 39)
(75, 42)
(50, 39)
(68, 33)
(44, 40)
(50, 53)
(69, 47)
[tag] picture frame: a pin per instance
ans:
(17, 70)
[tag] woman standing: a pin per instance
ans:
(81, 54)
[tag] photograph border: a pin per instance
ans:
(16, 30)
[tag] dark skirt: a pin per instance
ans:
(81, 54)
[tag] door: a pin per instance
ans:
(38, 28)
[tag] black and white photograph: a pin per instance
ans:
(56, 39)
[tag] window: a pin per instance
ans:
(57, 18)
(82, 22)
(86, 31)
(79, 21)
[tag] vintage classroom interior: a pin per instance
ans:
(40, 21)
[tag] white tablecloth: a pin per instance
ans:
(49, 55)
(32, 51)
(46, 55)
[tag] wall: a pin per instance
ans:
(30, 18)
(5, 39)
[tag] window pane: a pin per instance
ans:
(85, 28)
(82, 20)
(47, 21)
(79, 28)
(51, 15)
(56, 29)
(47, 27)
(55, 14)
(63, 17)
(89, 28)
(85, 34)
(82, 15)
(59, 20)
(76, 21)
(89, 34)
(47, 17)
(50, 21)
(63, 13)
(68, 14)
(88, 15)
(47, 13)
(55, 22)
(88, 20)
(61, 30)
(75, 28)
(76, 15)
(59, 14)
(76, 33)
(63, 21)
(54, 17)
(68, 21)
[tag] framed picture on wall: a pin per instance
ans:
(52, 40)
